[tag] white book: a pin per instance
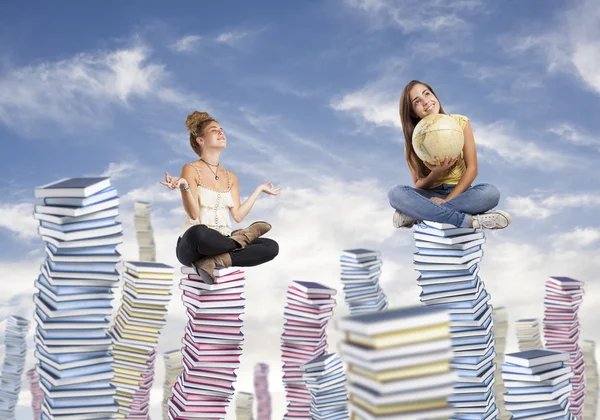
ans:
(76, 211)
(65, 220)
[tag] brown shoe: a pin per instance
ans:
(247, 235)
(205, 267)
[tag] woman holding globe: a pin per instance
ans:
(442, 184)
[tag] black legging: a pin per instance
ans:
(200, 241)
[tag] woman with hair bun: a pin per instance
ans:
(210, 194)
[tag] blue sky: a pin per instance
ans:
(307, 93)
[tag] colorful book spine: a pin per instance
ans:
(261, 391)
(529, 336)
(37, 395)
(360, 272)
(212, 344)
(244, 404)
(144, 232)
(500, 319)
(448, 259)
(15, 351)
(398, 364)
(563, 297)
(309, 307)
(325, 379)
(590, 406)
(135, 331)
(173, 368)
(74, 297)
(537, 390)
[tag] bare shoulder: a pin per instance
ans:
(232, 175)
(189, 172)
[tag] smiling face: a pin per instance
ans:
(423, 101)
(213, 137)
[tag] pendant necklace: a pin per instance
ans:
(209, 167)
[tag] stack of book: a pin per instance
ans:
(309, 307)
(15, 350)
(360, 272)
(36, 393)
(528, 334)
(244, 402)
(590, 406)
(538, 384)
(325, 379)
(74, 298)
(399, 363)
(173, 368)
(261, 391)
(143, 229)
(212, 344)
(137, 325)
(500, 330)
(563, 296)
(448, 261)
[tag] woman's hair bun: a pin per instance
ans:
(195, 121)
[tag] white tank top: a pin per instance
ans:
(214, 207)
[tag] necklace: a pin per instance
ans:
(209, 167)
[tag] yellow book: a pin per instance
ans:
(138, 337)
(125, 326)
(146, 291)
(404, 373)
(132, 314)
(412, 406)
(400, 338)
(126, 348)
(126, 381)
(143, 305)
(125, 371)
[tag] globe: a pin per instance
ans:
(437, 135)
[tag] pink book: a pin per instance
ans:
(216, 329)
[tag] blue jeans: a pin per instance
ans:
(416, 203)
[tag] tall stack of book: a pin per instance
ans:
(360, 271)
(325, 379)
(137, 325)
(500, 329)
(15, 350)
(212, 344)
(173, 368)
(538, 384)
(528, 334)
(261, 391)
(448, 262)
(309, 307)
(399, 363)
(561, 330)
(36, 393)
(244, 402)
(590, 406)
(74, 298)
(144, 232)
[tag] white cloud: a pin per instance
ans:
(570, 44)
(372, 104)
(119, 170)
(575, 135)
(231, 38)
(578, 238)
(411, 15)
(501, 139)
(18, 218)
(79, 91)
(541, 207)
(187, 43)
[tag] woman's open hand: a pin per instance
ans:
(172, 182)
(443, 166)
(269, 188)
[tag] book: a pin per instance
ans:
(73, 187)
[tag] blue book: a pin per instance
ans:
(98, 197)
(448, 287)
(73, 187)
(360, 253)
(88, 401)
(89, 250)
(88, 267)
(531, 358)
(77, 372)
(72, 334)
(312, 287)
(510, 368)
(88, 224)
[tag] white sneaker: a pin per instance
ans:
(402, 220)
(497, 219)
